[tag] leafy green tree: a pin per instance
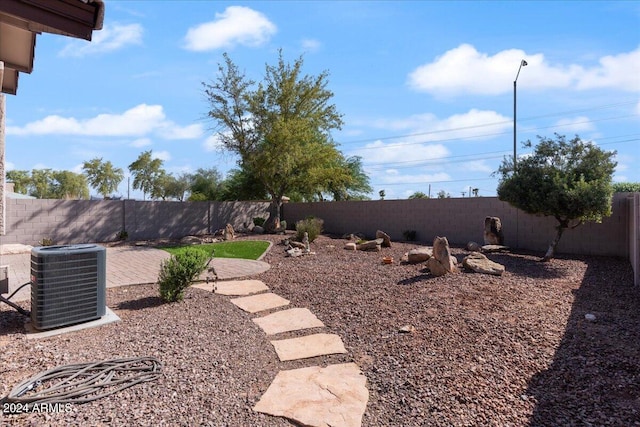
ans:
(279, 129)
(146, 171)
(347, 180)
(241, 185)
(178, 186)
(624, 187)
(205, 184)
(21, 180)
(418, 195)
(102, 176)
(443, 194)
(568, 180)
(69, 185)
(42, 184)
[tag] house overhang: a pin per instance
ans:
(22, 20)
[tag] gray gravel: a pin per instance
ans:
(510, 350)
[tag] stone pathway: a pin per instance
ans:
(335, 395)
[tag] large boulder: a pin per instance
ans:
(479, 263)
(371, 245)
(442, 261)
(418, 255)
(493, 231)
(229, 232)
(386, 240)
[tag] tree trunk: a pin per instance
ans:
(273, 222)
(552, 246)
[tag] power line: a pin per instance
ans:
(600, 107)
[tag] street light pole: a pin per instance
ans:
(523, 63)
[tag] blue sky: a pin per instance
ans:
(426, 88)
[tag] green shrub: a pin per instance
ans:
(626, 187)
(177, 273)
(258, 221)
(122, 235)
(409, 235)
(46, 241)
(313, 226)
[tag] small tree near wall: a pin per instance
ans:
(569, 180)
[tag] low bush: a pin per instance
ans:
(311, 225)
(409, 235)
(258, 221)
(177, 273)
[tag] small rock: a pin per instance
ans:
(258, 229)
(494, 248)
(407, 329)
(417, 255)
(590, 317)
(351, 246)
(473, 247)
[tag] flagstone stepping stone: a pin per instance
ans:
(241, 287)
(333, 396)
(234, 287)
(260, 302)
(308, 346)
(288, 320)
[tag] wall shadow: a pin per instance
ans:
(594, 378)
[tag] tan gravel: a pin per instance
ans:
(487, 350)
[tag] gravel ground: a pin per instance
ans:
(511, 350)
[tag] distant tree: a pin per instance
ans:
(69, 185)
(382, 193)
(568, 180)
(418, 195)
(102, 176)
(42, 184)
(21, 180)
(279, 129)
(626, 187)
(205, 184)
(146, 171)
(178, 186)
(443, 194)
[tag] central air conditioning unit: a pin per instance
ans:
(68, 285)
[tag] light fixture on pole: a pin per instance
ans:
(523, 63)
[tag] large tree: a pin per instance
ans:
(568, 180)
(69, 185)
(146, 172)
(205, 184)
(280, 129)
(102, 176)
(42, 184)
(239, 184)
(21, 180)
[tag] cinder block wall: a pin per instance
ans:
(462, 220)
(82, 221)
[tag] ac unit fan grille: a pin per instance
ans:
(67, 285)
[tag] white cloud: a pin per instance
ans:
(310, 45)
(173, 131)
(463, 70)
(474, 124)
(140, 142)
(138, 121)
(77, 169)
(212, 143)
(614, 71)
(576, 124)
(477, 166)
(162, 155)
(8, 166)
(237, 25)
(110, 38)
(379, 154)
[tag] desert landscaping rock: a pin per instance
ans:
(260, 302)
(318, 397)
(386, 240)
(293, 319)
(418, 255)
(351, 246)
(494, 248)
(308, 346)
(371, 245)
(473, 247)
(479, 263)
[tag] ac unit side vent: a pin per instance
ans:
(68, 285)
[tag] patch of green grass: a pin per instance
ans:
(247, 249)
